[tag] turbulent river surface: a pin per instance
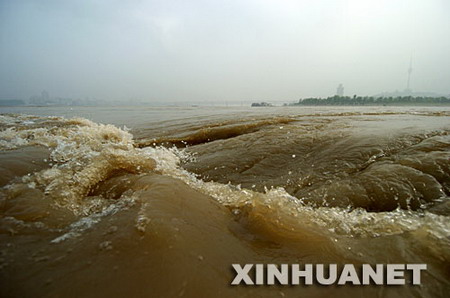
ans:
(159, 202)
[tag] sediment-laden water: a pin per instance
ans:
(163, 208)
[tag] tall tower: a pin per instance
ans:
(340, 90)
(408, 88)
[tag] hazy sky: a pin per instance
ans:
(221, 50)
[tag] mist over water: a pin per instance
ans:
(202, 51)
(164, 207)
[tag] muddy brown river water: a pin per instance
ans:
(164, 206)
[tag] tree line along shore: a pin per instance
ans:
(371, 100)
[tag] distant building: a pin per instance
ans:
(45, 96)
(408, 86)
(43, 99)
(340, 90)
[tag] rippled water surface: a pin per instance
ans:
(160, 201)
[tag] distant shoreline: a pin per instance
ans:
(373, 101)
(373, 105)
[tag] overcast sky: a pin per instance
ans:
(221, 50)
